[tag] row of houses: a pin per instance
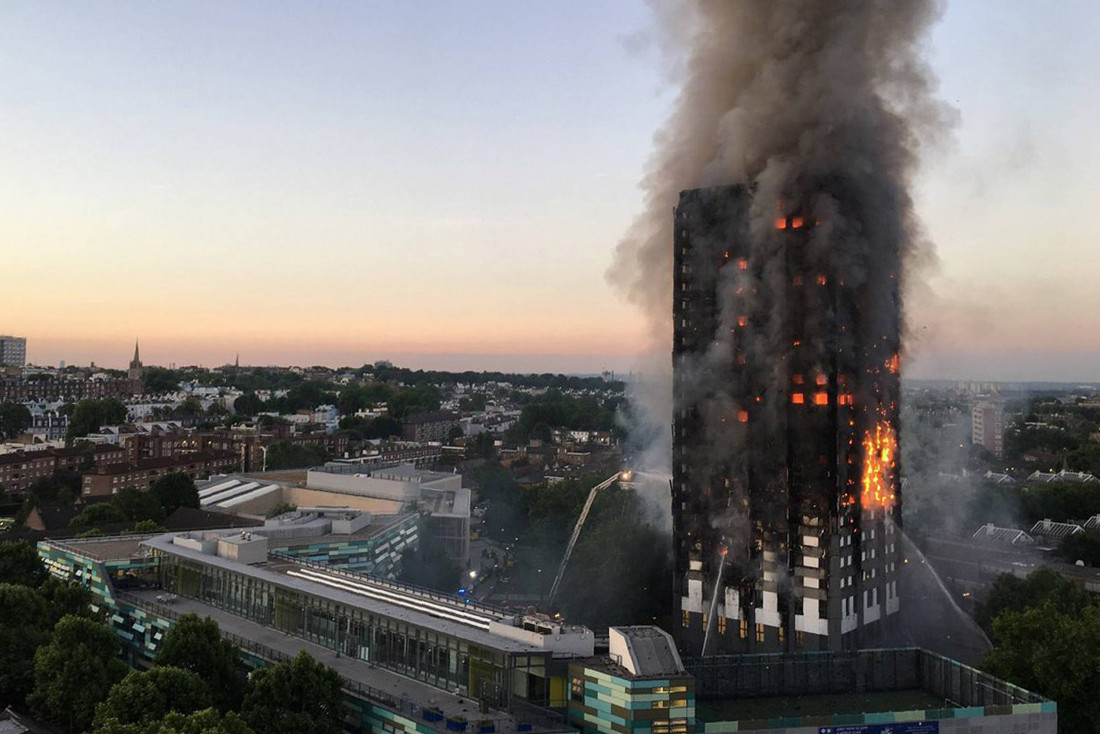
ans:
(1044, 532)
(1039, 477)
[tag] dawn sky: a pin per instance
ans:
(442, 184)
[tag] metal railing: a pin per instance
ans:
(887, 669)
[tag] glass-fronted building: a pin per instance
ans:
(476, 651)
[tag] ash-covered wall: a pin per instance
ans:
(785, 478)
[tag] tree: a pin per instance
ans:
(473, 403)
(1011, 594)
(287, 455)
(60, 490)
(281, 508)
(137, 505)
(159, 380)
(142, 699)
(190, 407)
(484, 447)
(75, 671)
(350, 400)
(175, 490)
(1086, 458)
(24, 625)
(65, 598)
(103, 513)
(1053, 653)
(383, 427)
(148, 526)
(423, 398)
(620, 571)
(197, 645)
(20, 564)
(209, 721)
(88, 415)
(248, 405)
(1081, 547)
(301, 696)
(14, 419)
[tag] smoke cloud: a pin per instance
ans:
(826, 105)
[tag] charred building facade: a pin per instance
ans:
(785, 478)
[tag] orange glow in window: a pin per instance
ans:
(797, 379)
(822, 280)
(781, 223)
(742, 264)
(797, 223)
(821, 398)
(821, 380)
(798, 398)
(742, 320)
(743, 416)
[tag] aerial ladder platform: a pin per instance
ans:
(621, 476)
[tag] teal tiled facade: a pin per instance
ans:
(139, 630)
(603, 702)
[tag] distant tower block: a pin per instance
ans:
(785, 477)
(13, 351)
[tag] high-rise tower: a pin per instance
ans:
(785, 477)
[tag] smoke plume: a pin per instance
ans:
(825, 105)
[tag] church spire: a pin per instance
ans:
(136, 373)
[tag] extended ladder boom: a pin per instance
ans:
(617, 476)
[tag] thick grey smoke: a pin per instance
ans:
(824, 105)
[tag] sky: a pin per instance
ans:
(442, 184)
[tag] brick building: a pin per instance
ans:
(20, 469)
(247, 447)
(107, 480)
(424, 427)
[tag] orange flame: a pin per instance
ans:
(893, 364)
(880, 449)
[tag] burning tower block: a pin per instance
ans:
(785, 471)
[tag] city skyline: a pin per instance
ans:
(376, 183)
